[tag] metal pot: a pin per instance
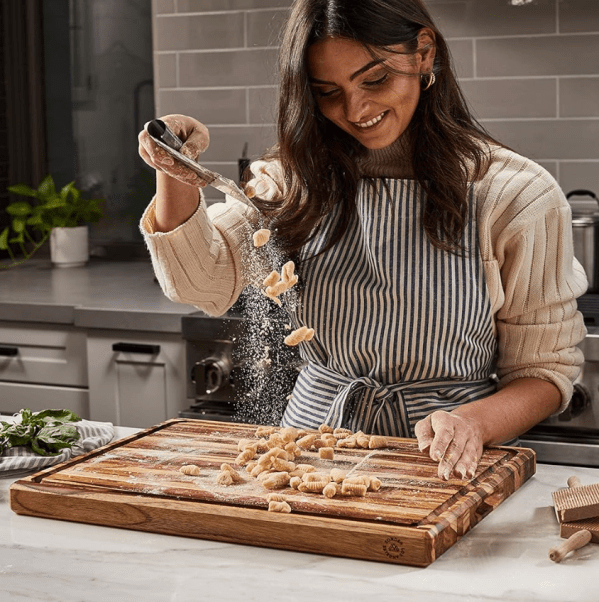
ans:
(585, 228)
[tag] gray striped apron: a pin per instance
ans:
(402, 328)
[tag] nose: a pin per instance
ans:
(355, 106)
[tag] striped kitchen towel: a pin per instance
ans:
(17, 460)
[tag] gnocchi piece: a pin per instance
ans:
(306, 442)
(276, 289)
(305, 468)
(274, 452)
(276, 480)
(276, 497)
(271, 279)
(329, 440)
(312, 486)
(242, 443)
(303, 333)
(377, 441)
(342, 431)
(245, 456)
(275, 506)
(287, 271)
(250, 466)
(295, 482)
(337, 475)
(265, 431)
(190, 469)
(321, 443)
(234, 474)
(225, 478)
(312, 477)
(283, 465)
(330, 490)
(258, 470)
(275, 440)
(348, 443)
(261, 446)
(265, 474)
(326, 453)
(288, 434)
(261, 237)
(375, 484)
(325, 428)
(293, 450)
(349, 488)
(362, 441)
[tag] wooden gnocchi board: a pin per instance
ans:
(135, 483)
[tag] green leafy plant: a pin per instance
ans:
(45, 433)
(48, 209)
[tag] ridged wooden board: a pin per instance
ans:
(135, 483)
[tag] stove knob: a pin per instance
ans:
(210, 375)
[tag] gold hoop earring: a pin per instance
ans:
(431, 81)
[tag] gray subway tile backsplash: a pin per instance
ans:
(476, 18)
(245, 67)
(199, 32)
(538, 55)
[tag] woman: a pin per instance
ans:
(436, 265)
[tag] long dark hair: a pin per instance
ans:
(319, 159)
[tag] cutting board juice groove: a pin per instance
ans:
(135, 483)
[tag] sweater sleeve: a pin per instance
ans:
(200, 262)
(533, 276)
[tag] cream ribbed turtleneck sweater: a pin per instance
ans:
(525, 241)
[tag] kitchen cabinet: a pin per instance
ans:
(43, 366)
(136, 379)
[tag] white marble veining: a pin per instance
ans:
(504, 558)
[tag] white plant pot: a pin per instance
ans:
(69, 247)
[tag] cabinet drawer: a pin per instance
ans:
(42, 354)
(16, 396)
(136, 378)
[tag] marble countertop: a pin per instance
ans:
(505, 557)
(102, 294)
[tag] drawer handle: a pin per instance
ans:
(9, 351)
(136, 348)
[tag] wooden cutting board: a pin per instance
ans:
(135, 483)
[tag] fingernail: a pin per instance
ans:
(447, 473)
(437, 456)
(461, 471)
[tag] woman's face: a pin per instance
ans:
(361, 96)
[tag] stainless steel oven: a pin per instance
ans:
(234, 372)
(572, 438)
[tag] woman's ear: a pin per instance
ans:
(426, 49)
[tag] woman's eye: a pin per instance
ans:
(376, 82)
(324, 93)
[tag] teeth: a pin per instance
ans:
(371, 122)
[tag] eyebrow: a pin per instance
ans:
(353, 76)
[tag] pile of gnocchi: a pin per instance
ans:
(271, 459)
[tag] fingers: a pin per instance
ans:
(160, 160)
(453, 441)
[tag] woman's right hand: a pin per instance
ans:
(195, 137)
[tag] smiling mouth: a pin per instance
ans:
(368, 124)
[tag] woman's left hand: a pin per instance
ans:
(456, 442)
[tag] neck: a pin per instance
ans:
(393, 161)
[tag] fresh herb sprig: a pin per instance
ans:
(45, 433)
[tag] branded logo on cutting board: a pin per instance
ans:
(393, 547)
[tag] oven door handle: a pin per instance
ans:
(136, 348)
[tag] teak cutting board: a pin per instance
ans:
(135, 483)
